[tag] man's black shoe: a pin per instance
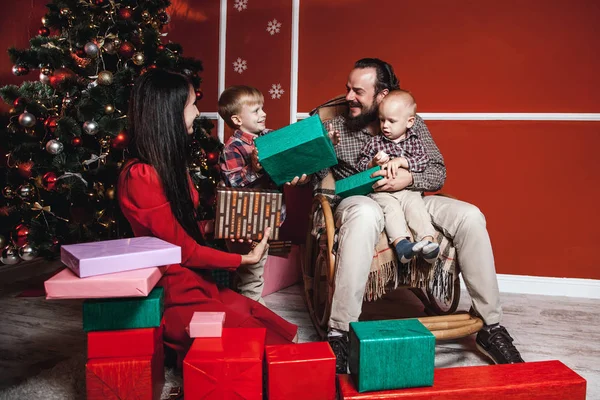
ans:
(339, 345)
(496, 344)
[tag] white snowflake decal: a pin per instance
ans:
(273, 27)
(276, 91)
(240, 65)
(240, 4)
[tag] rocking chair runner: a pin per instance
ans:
(319, 267)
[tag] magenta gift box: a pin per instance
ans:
(206, 324)
(106, 257)
(281, 272)
(138, 283)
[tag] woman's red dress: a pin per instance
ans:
(186, 289)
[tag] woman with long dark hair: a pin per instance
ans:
(158, 199)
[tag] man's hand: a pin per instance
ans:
(254, 161)
(394, 165)
(299, 180)
(334, 135)
(402, 180)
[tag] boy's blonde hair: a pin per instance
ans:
(404, 96)
(234, 98)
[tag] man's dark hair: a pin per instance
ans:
(386, 79)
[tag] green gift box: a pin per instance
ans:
(357, 185)
(300, 148)
(123, 313)
(391, 354)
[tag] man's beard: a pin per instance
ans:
(365, 118)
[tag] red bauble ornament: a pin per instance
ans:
(25, 169)
(199, 95)
(43, 31)
(51, 123)
(20, 235)
(125, 13)
(49, 180)
(100, 2)
(151, 67)
(126, 50)
(55, 245)
(19, 101)
(76, 141)
(80, 53)
(161, 47)
(120, 141)
(59, 76)
(212, 158)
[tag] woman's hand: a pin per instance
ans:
(258, 251)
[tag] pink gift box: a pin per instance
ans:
(106, 257)
(281, 272)
(138, 283)
(206, 324)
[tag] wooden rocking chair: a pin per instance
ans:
(319, 266)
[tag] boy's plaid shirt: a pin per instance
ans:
(351, 143)
(236, 166)
(410, 148)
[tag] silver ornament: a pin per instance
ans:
(26, 191)
(27, 252)
(54, 147)
(45, 79)
(27, 120)
(110, 48)
(91, 49)
(10, 256)
(90, 127)
(3, 242)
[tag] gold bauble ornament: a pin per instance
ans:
(105, 78)
(44, 21)
(109, 109)
(145, 15)
(138, 58)
(110, 193)
(65, 11)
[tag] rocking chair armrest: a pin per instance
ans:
(323, 201)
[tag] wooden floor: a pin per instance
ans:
(36, 334)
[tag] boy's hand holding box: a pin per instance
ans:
(303, 147)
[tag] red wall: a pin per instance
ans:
(536, 182)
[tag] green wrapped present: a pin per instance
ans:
(391, 354)
(357, 185)
(300, 148)
(123, 313)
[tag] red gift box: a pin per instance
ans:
(292, 368)
(229, 367)
(125, 343)
(543, 380)
(139, 378)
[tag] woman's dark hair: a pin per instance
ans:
(159, 138)
(386, 79)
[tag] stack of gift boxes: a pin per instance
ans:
(234, 363)
(122, 312)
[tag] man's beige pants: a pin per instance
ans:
(249, 280)
(360, 222)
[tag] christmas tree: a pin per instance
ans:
(66, 133)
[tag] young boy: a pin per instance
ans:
(242, 109)
(398, 147)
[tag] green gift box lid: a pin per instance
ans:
(357, 185)
(300, 148)
(391, 354)
(123, 313)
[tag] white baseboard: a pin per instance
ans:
(542, 285)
